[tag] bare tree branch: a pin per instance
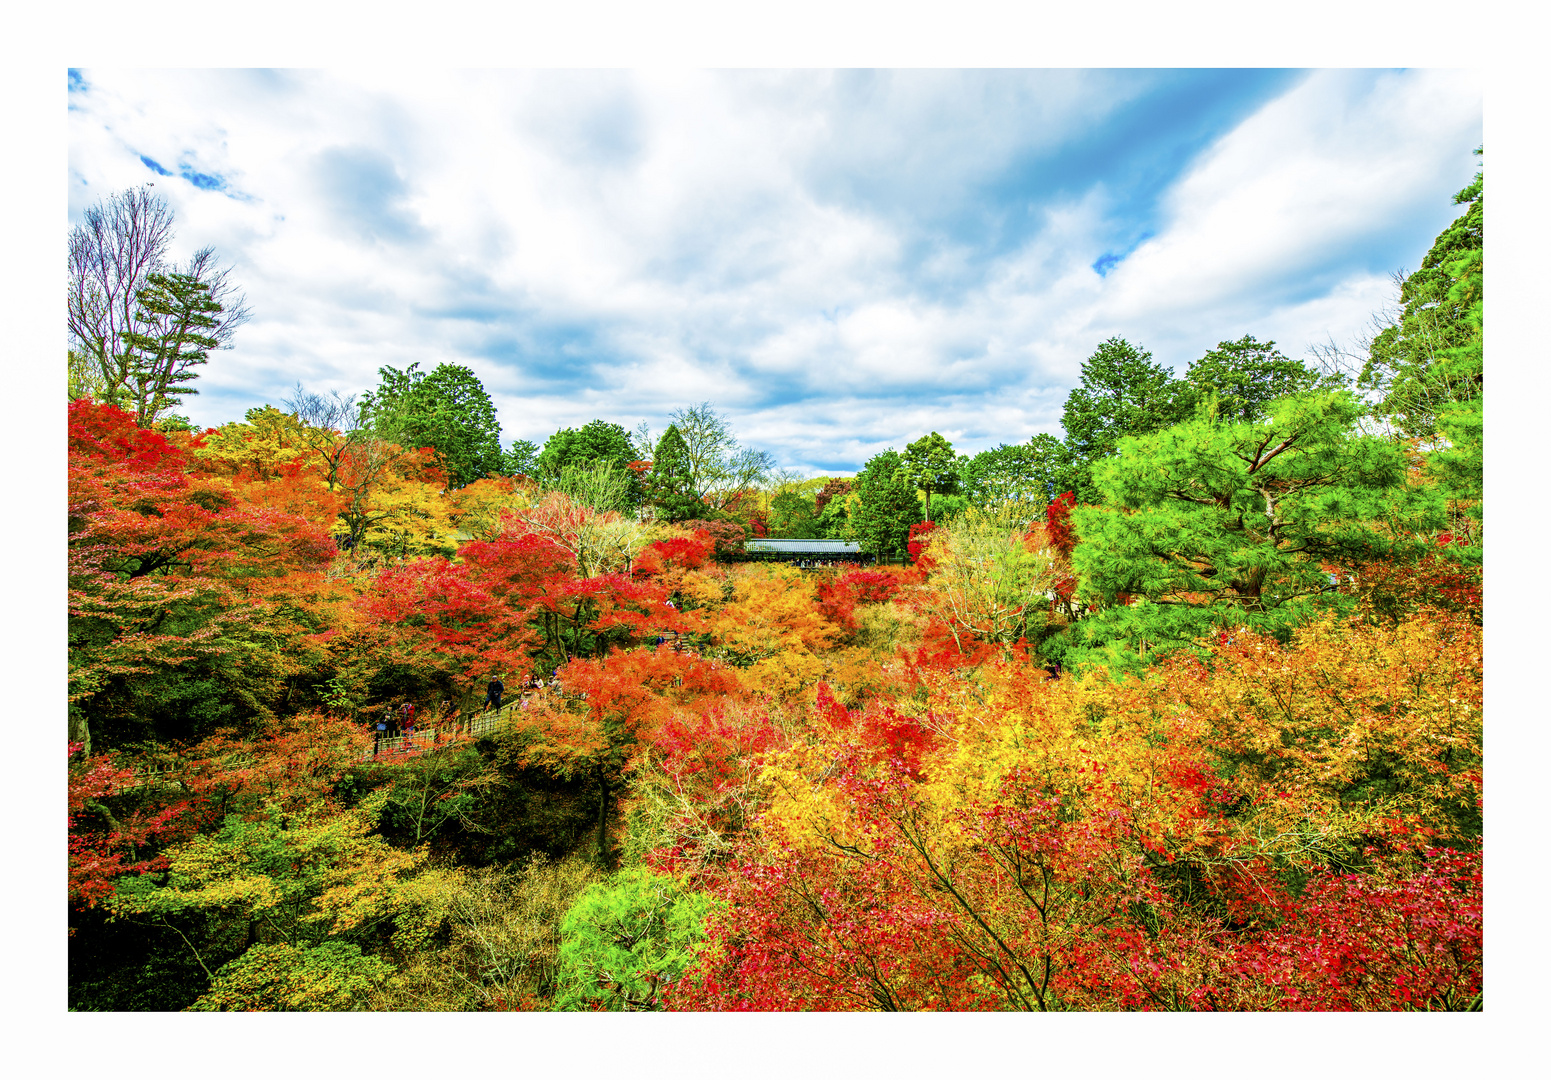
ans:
(119, 243)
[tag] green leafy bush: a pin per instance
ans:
(626, 939)
(333, 976)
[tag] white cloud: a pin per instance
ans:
(840, 262)
(1327, 168)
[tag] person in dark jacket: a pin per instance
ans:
(493, 693)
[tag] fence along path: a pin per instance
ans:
(425, 741)
(491, 719)
(476, 726)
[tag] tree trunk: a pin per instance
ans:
(603, 818)
(79, 732)
(1249, 588)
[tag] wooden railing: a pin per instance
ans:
(426, 740)
(675, 641)
(158, 775)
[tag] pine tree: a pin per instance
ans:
(176, 326)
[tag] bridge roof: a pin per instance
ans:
(803, 547)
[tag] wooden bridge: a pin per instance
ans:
(424, 740)
(436, 739)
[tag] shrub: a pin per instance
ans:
(626, 940)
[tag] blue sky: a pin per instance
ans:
(837, 261)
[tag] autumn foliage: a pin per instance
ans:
(863, 788)
(1087, 844)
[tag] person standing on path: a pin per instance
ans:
(493, 693)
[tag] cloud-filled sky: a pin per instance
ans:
(837, 261)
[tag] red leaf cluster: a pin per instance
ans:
(920, 537)
(678, 552)
(838, 596)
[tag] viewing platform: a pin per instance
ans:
(807, 553)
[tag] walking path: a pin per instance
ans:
(426, 739)
(423, 740)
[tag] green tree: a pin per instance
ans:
(1414, 364)
(670, 485)
(792, 516)
(626, 939)
(174, 331)
(586, 461)
(882, 507)
(1122, 393)
(595, 441)
(930, 464)
(1035, 471)
(1247, 375)
(446, 411)
(792, 512)
(521, 459)
(1459, 465)
(1218, 524)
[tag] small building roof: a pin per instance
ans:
(803, 547)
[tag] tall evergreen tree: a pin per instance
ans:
(883, 507)
(1247, 375)
(175, 328)
(1461, 365)
(1420, 364)
(670, 485)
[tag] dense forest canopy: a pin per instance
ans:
(1180, 710)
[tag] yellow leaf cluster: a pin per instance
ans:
(772, 611)
(1271, 755)
(1366, 721)
(784, 674)
(320, 867)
